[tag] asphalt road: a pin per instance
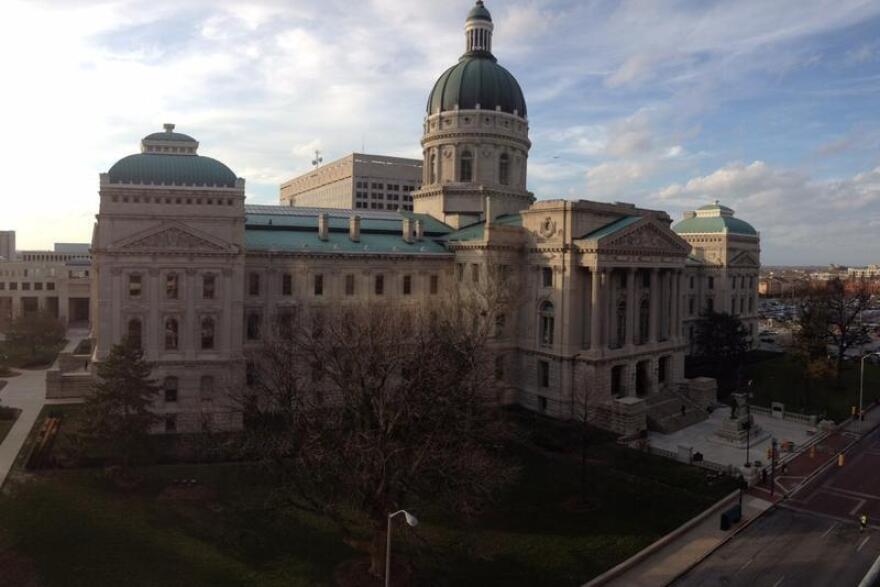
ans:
(810, 538)
(788, 548)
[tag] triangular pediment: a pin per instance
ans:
(644, 236)
(173, 237)
(744, 259)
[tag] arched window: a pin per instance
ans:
(170, 387)
(433, 169)
(207, 334)
(135, 330)
(172, 331)
(254, 322)
(644, 321)
(466, 167)
(206, 388)
(504, 169)
(621, 324)
(547, 323)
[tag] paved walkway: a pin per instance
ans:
(663, 566)
(27, 392)
(668, 562)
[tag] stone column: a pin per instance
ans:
(654, 316)
(596, 278)
(116, 306)
(190, 323)
(151, 331)
(675, 326)
(631, 310)
(224, 321)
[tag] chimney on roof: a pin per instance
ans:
(354, 228)
(323, 228)
(420, 230)
(407, 227)
(489, 211)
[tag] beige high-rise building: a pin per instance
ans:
(358, 181)
(7, 245)
(608, 294)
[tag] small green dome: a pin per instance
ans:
(714, 224)
(178, 137)
(479, 12)
(163, 169)
(477, 80)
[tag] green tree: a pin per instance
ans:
(117, 417)
(35, 337)
(722, 340)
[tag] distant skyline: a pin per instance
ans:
(769, 107)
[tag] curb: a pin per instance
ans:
(638, 557)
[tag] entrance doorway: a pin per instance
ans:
(78, 311)
(642, 382)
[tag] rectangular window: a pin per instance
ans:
(435, 284)
(691, 306)
(380, 285)
(459, 271)
(710, 305)
(319, 285)
(711, 283)
(542, 404)
(287, 284)
(171, 423)
(349, 285)
(253, 326)
(543, 374)
(172, 286)
(547, 276)
(692, 282)
(475, 273)
(2, 285)
(13, 285)
(254, 284)
(499, 367)
(38, 286)
(407, 285)
(26, 286)
(209, 285)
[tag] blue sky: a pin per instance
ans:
(769, 107)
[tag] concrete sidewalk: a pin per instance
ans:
(27, 392)
(680, 552)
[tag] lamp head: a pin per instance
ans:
(411, 519)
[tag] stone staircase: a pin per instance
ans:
(664, 412)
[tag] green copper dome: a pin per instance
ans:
(715, 224)
(477, 80)
(162, 169)
(170, 136)
(479, 12)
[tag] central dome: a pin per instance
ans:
(477, 81)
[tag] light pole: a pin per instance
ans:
(412, 521)
(748, 422)
(862, 386)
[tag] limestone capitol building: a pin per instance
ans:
(611, 291)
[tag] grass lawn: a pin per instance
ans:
(22, 359)
(782, 379)
(74, 528)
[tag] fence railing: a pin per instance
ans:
(786, 415)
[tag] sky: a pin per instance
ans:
(769, 107)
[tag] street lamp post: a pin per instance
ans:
(748, 422)
(862, 386)
(412, 521)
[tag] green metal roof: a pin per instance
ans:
(295, 230)
(477, 79)
(714, 224)
(479, 12)
(715, 206)
(163, 169)
(611, 227)
(476, 231)
(170, 136)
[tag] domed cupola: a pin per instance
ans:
(476, 136)
(171, 159)
(477, 81)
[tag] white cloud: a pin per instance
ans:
(798, 217)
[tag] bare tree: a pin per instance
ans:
(365, 409)
(830, 314)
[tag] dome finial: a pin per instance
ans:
(168, 126)
(478, 29)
